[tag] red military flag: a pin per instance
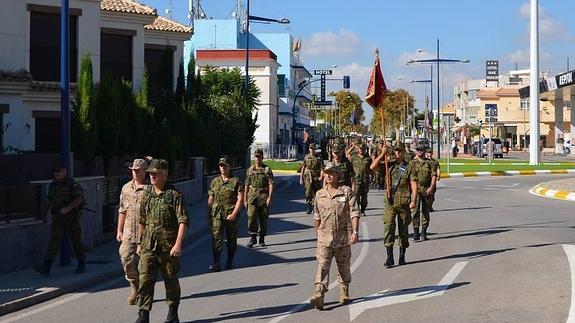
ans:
(376, 88)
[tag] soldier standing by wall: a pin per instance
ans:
(310, 176)
(225, 199)
(361, 164)
(163, 224)
(426, 179)
(336, 223)
(65, 201)
(259, 189)
(437, 169)
(128, 219)
(397, 208)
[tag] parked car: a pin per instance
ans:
(568, 146)
(497, 147)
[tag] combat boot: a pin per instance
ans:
(252, 242)
(424, 234)
(402, 255)
(133, 294)
(416, 236)
(262, 241)
(172, 315)
(309, 208)
(44, 269)
(230, 260)
(143, 316)
(81, 266)
(389, 262)
(343, 293)
(215, 266)
(317, 299)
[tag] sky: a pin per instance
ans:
(346, 34)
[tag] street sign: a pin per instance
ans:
(322, 103)
(492, 70)
(491, 112)
(322, 72)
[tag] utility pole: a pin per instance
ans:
(534, 153)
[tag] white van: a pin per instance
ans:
(497, 147)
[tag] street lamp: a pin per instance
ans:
(430, 81)
(437, 61)
(259, 20)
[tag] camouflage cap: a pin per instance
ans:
(399, 146)
(157, 165)
(312, 146)
(259, 152)
(429, 150)
(338, 148)
(332, 168)
(421, 147)
(223, 161)
(139, 163)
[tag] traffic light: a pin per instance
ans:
(346, 82)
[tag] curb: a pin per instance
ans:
(509, 173)
(554, 194)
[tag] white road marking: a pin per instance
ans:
(450, 200)
(76, 296)
(380, 299)
(570, 251)
(503, 186)
(354, 266)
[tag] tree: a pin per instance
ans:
(350, 107)
(394, 111)
(84, 131)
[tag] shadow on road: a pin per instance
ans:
(463, 209)
(262, 313)
(233, 291)
(481, 233)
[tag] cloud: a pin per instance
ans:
(343, 43)
(404, 57)
(522, 57)
(549, 28)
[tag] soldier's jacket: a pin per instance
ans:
(409, 155)
(424, 171)
(346, 172)
(401, 177)
(62, 194)
(259, 181)
(335, 214)
(361, 169)
(225, 195)
(313, 165)
(130, 199)
(434, 165)
(161, 215)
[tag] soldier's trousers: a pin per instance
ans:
(401, 214)
(150, 263)
(69, 224)
(258, 219)
(231, 233)
(325, 255)
(311, 187)
(361, 195)
(422, 208)
(130, 260)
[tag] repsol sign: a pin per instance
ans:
(565, 79)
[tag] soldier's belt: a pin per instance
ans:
(260, 189)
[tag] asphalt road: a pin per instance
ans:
(496, 254)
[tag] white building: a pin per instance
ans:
(121, 36)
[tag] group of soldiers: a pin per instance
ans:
(153, 216)
(347, 175)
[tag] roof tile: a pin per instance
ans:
(128, 6)
(165, 24)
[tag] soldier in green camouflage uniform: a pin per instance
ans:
(162, 228)
(403, 198)
(361, 164)
(426, 178)
(347, 175)
(225, 199)
(259, 189)
(409, 154)
(437, 168)
(65, 201)
(310, 176)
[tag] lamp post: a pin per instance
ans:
(437, 61)
(430, 81)
(260, 20)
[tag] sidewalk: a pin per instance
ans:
(509, 173)
(563, 189)
(25, 288)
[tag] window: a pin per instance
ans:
(47, 135)
(472, 95)
(116, 56)
(160, 66)
(45, 47)
(281, 85)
